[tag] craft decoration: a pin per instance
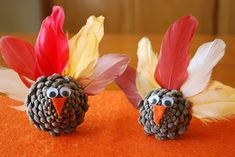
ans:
(169, 90)
(59, 73)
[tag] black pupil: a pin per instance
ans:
(52, 94)
(65, 93)
(168, 103)
(154, 101)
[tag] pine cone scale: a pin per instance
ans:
(42, 113)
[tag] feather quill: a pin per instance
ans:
(217, 102)
(11, 85)
(51, 45)
(171, 70)
(84, 49)
(127, 82)
(201, 66)
(147, 61)
(18, 55)
(108, 68)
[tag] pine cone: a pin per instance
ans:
(43, 114)
(175, 120)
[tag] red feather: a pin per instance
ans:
(26, 82)
(52, 45)
(18, 55)
(171, 70)
(127, 83)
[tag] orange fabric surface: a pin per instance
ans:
(110, 129)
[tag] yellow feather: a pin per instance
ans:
(217, 102)
(83, 48)
(147, 61)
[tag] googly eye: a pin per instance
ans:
(65, 92)
(52, 92)
(167, 101)
(153, 99)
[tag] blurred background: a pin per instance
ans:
(216, 17)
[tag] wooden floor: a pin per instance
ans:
(113, 43)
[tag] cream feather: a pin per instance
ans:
(20, 108)
(217, 102)
(11, 85)
(147, 61)
(201, 66)
(83, 49)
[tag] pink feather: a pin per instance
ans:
(52, 45)
(128, 85)
(18, 55)
(171, 70)
(108, 68)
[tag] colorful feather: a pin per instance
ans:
(217, 102)
(127, 82)
(51, 45)
(108, 68)
(11, 85)
(84, 49)
(147, 61)
(18, 55)
(171, 70)
(201, 66)
(27, 82)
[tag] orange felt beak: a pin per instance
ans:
(158, 113)
(58, 104)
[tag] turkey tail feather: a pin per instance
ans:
(206, 58)
(171, 70)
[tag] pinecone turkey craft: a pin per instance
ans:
(59, 73)
(169, 90)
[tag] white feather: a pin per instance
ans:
(201, 66)
(147, 61)
(11, 85)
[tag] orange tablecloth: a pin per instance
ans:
(110, 129)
